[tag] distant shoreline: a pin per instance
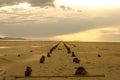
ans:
(64, 41)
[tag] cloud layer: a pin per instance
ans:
(55, 22)
(41, 3)
(99, 34)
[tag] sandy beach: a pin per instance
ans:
(60, 63)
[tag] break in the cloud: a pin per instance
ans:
(41, 3)
(99, 34)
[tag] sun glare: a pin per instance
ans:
(88, 3)
(24, 5)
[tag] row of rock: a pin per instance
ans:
(42, 59)
(75, 59)
(80, 70)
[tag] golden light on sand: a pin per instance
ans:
(89, 3)
(24, 5)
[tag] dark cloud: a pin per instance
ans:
(9, 2)
(62, 7)
(41, 3)
(65, 8)
(79, 10)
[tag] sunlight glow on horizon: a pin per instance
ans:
(89, 3)
(24, 5)
(89, 35)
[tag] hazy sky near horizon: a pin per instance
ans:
(73, 20)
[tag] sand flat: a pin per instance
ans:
(60, 63)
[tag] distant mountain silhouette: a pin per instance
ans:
(12, 38)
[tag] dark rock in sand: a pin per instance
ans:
(76, 60)
(48, 54)
(18, 55)
(81, 71)
(73, 54)
(31, 51)
(99, 55)
(28, 71)
(42, 59)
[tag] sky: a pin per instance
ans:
(66, 20)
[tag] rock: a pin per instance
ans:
(81, 71)
(28, 71)
(76, 60)
(73, 54)
(99, 55)
(42, 59)
(18, 55)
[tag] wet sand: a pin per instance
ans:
(60, 63)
